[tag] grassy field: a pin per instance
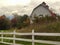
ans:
(3, 44)
(27, 43)
(53, 27)
(21, 42)
(46, 28)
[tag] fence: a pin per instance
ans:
(29, 40)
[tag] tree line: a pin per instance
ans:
(16, 22)
(24, 21)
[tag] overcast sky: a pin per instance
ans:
(6, 7)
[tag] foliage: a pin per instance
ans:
(20, 21)
(23, 21)
(14, 22)
(4, 23)
(45, 19)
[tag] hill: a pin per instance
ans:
(53, 27)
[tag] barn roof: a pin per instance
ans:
(45, 6)
(42, 4)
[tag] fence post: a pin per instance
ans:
(2, 37)
(14, 37)
(32, 37)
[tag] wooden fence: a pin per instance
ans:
(14, 33)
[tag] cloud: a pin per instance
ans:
(55, 4)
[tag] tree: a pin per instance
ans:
(14, 22)
(4, 23)
(23, 21)
(20, 21)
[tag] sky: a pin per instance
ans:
(22, 7)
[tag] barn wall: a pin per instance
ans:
(40, 11)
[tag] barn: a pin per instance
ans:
(41, 10)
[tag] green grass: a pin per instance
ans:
(22, 42)
(26, 43)
(50, 27)
(10, 30)
(3, 44)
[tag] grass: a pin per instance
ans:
(10, 30)
(53, 27)
(26, 43)
(49, 28)
(23, 42)
(3, 44)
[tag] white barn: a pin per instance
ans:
(41, 10)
